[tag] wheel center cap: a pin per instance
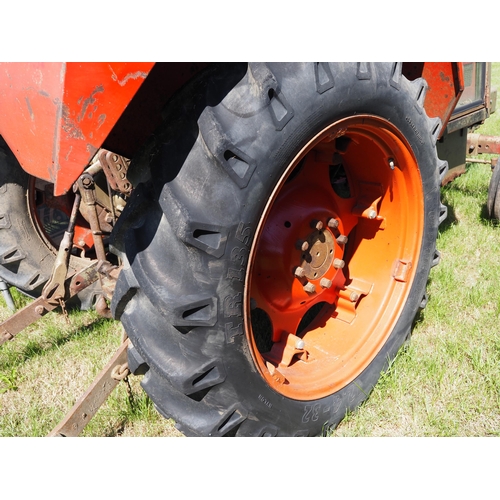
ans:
(317, 259)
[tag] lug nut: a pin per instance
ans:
(333, 223)
(300, 344)
(325, 283)
(338, 263)
(87, 181)
(301, 245)
(309, 288)
(299, 272)
(342, 240)
(372, 214)
(317, 224)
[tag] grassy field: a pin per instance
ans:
(445, 383)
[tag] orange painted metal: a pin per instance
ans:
(445, 82)
(357, 291)
(55, 116)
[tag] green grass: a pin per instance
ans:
(50, 365)
(446, 382)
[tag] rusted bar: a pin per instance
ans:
(482, 144)
(39, 307)
(491, 162)
(54, 289)
(23, 318)
(86, 407)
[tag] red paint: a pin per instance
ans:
(55, 116)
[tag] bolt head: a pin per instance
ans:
(301, 245)
(338, 263)
(317, 224)
(325, 283)
(333, 223)
(354, 296)
(300, 344)
(39, 310)
(299, 272)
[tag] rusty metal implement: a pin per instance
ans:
(86, 407)
(41, 306)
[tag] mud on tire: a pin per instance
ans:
(279, 253)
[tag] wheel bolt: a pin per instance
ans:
(338, 263)
(372, 214)
(325, 283)
(317, 224)
(333, 223)
(342, 240)
(309, 288)
(301, 245)
(299, 272)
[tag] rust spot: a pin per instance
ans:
(444, 77)
(129, 76)
(90, 100)
(100, 121)
(30, 108)
(69, 126)
(68, 153)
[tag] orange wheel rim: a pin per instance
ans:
(334, 257)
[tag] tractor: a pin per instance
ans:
(264, 232)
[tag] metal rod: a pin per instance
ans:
(88, 404)
(474, 160)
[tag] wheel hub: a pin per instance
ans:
(311, 287)
(317, 259)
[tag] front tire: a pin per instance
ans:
(493, 204)
(279, 258)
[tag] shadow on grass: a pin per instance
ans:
(485, 219)
(450, 220)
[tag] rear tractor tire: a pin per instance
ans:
(30, 231)
(275, 265)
